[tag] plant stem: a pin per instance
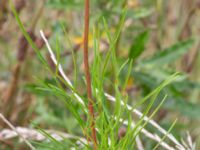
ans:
(87, 73)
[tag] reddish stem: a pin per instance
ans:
(87, 73)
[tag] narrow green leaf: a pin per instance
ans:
(139, 13)
(187, 109)
(170, 54)
(138, 45)
(163, 138)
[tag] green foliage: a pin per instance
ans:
(170, 54)
(138, 45)
(63, 4)
(139, 13)
(58, 105)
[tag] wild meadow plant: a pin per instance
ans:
(109, 121)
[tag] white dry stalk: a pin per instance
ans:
(190, 145)
(111, 98)
(16, 131)
(154, 137)
(152, 122)
(32, 134)
(189, 139)
(59, 66)
(139, 143)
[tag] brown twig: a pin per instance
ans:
(3, 12)
(87, 73)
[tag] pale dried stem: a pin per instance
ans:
(16, 131)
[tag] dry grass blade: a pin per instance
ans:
(32, 134)
(16, 131)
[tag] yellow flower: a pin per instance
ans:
(79, 40)
(132, 3)
(130, 83)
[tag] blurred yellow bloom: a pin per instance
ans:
(130, 83)
(133, 3)
(79, 40)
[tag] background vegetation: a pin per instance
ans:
(135, 47)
